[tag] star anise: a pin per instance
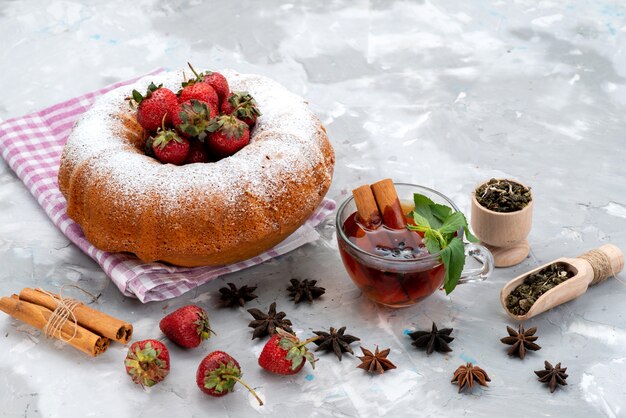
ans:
(433, 340)
(335, 341)
(266, 323)
(553, 376)
(465, 376)
(521, 341)
(231, 296)
(305, 289)
(376, 362)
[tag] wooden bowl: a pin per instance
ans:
(504, 233)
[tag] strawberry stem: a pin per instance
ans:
(193, 71)
(310, 340)
(242, 104)
(230, 376)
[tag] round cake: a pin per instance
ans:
(203, 213)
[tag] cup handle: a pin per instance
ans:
(484, 256)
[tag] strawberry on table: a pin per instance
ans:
(147, 362)
(218, 373)
(158, 103)
(241, 105)
(187, 326)
(285, 354)
(228, 135)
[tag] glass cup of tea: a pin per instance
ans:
(392, 271)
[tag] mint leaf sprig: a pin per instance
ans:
(439, 225)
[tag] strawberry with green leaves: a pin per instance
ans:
(215, 80)
(227, 135)
(218, 373)
(192, 119)
(147, 362)
(241, 105)
(187, 326)
(196, 89)
(218, 82)
(167, 146)
(156, 105)
(199, 91)
(285, 354)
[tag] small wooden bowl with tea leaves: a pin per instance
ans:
(501, 218)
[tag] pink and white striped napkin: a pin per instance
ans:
(32, 146)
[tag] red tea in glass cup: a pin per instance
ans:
(392, 267)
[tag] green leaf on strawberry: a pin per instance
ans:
(147, 362)
(222, 378)
(297, 352)
(218, 373)
(285, 354)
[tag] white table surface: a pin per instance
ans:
(443, 94)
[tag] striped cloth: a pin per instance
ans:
(32, 146)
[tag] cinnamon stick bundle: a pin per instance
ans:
(380, 202)
(38, 316)
(91, 319)
(389, 204)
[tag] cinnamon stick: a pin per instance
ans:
(389, 204)
(367, 210)
(91, 319)
(38, 316)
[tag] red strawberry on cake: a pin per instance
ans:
(218, 373)
(187, 326)
(241, 105)
(156, 106)
(228, 135)
(194, 90)
(192, 118)
(198, 153)
(168, 146)
(215, 80)
(218, 82)
(147, 362)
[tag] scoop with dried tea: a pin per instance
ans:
(520, 300)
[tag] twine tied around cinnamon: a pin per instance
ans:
(601, 265)
(63, 313)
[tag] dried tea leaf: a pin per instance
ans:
(503, 195)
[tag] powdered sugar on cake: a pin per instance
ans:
(284, 145)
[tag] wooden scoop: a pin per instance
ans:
(589, 269)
